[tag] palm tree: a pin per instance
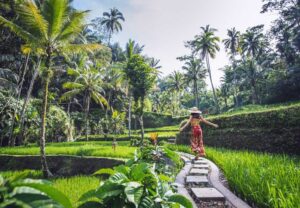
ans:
(252, 42)
(111, 20)
(176, 83)
(88, 83)
(131, 48)
(206, 44)
(232, 46)
(48, 30)
(194, 72)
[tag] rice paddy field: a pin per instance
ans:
(98, 149)
(263, 180)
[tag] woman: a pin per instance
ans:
(197, 136)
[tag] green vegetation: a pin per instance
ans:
(99, 149)
(263, 179)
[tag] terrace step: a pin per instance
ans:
(197, 171)
(201, 166)
(196, 181)
(207, 194)
(200, 162)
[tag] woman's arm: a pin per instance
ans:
(187, 123)
(208, 123)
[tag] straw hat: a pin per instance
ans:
(195, 110)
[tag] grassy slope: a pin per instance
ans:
(100, 149)
(265, 179)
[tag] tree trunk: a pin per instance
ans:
(255, 99)
(212, 85)
(12, 139)
(235, 84)
(129, 116)
(45, 169)
(26, 101)
(196, 93)
(142, 120)
(87, 109)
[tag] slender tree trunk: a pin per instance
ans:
(196, 93)
(12, 139)
(26, 101)
(255, 99)
(87, 109)
(212, 85)
(235, 84)
(142, 121)
(45, 169)
(129, 116)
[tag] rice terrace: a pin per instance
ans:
(149, 104)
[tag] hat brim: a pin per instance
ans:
(199, 112)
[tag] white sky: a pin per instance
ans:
(163, 25)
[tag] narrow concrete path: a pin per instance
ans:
(199, 181)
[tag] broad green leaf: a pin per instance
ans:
(108, 190)
(180, 199)
(102, 171)
(134, 192)
(122, 169)
(118, 178)
(42, 186)
(146, 202)
(88, 195)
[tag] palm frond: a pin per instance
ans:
(56, 14)
(32, 19)
(21, 32)
(72, 85)
(79, 48)
(99, 99)
(70, 94)
(74, 26)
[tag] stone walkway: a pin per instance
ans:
(199, 181)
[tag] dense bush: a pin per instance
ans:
(276, 130)
(153, 120)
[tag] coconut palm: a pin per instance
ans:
(48, 30)
(194, 72)
(206, 44)
(176, 84)
(232, 46)
(252, 42)
(111, 20)
(89, 84)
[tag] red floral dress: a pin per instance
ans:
(197, 137)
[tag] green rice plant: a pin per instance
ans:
(74, 187)
(264, 180)
(81, 149)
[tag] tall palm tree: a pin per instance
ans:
(131, 48)
(48, 30)
(206, 44)
(194, 72)
(252, 43)
(176, 84)
(111, 20)
(232, 46)
(88, 83)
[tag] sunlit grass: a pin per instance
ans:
(264, 179)
(74, 187)
(98, 149)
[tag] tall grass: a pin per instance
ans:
(74, 187)
(262, 179)
(99, 149)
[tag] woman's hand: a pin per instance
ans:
(181, 129)
(216, 125)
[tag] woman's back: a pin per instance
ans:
(195, 121)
